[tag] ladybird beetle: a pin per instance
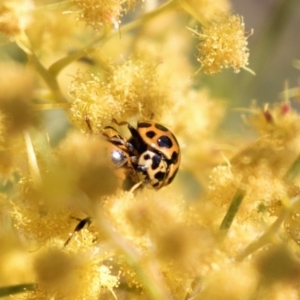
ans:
(156, 153)
(151, 156)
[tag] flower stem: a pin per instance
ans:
(146, 268)
(271, 234)
(294, 170)
(54, 6)
(190, 10)
(7, 291)
(232, 210)
(56, 68)
(48, 78)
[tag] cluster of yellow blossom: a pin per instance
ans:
(15, 16)
(106, 13)
(263, 171)
(223, 44)
(127, 90)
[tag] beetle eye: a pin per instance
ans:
(118, 158)
(141, 168)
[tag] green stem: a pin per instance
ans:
(54, 6)
(190, 10)
(7, 291)
(271, 234)
(50, 106)
(294, 170)
(149, 16)
(48, 78)
(232, 210)
(56, 68)
(25, 44)
(146, 268)
(59, 65)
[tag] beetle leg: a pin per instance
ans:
(134, 159)
(129, 147)
(136, 186)
(117, 140)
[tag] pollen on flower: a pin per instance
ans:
(280, 122)
(184, 244)
(197, 116)
(45, 208)
(244, 277)
(38, 223)
(54, 31)
(15, 16)
(129, 89)
(134, 217)
(260, 170)
(106, 13)
(222, 186)
(223, 44)
(86, 159)
(175, 245)
(220, 176)
(70, 275)
(203, 116)
(106, 278)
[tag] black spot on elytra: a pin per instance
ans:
(174, 158)
(155, 184)
(161, 127)
(150, 134)
(160, 176)
(146, 156)
(144, 125)
(165, 142)
(156, 159)
(173, 176)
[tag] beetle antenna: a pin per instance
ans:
(119, 123)
(79, 226)
(88, 122)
